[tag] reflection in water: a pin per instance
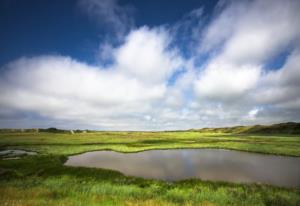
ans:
(207, 164)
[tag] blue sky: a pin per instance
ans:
(148, 65)
(36, 27)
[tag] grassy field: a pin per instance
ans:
(43, 180)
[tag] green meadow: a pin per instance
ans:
(43, 180)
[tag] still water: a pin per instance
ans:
(206, 164)
(14, 153)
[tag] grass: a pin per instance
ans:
(43, 180)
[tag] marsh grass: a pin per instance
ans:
(43, 180)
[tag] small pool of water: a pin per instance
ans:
(14, 153)
(206, 164)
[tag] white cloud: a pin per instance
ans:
(149, 85)
(252, 31)
(266, 28)
(241, 40)
(249, 34)
(62, 88)
(61, 85)
(109, 13)
(145, 55)
(224, 81)
(281, 87)
(105, 52)
(252, 113)
(62, 76)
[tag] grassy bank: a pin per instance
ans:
(43, 180)
(65, 143)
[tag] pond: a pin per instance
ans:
(14, 153)
(205, 164)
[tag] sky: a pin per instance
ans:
(148, 65)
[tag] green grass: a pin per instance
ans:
(43, 180)
(65, 144)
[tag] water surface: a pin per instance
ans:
(206, 164)
(14, 153)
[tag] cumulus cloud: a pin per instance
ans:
(253, 31)
(155, 80)
(281, 87)
(145, 55)
(224, 81)
(246, 35)
(61, 87)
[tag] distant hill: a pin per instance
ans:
(50, 130)
(281, 128)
